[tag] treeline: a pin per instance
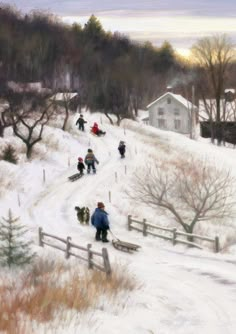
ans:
(110, 72)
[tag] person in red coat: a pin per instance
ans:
(95, 129)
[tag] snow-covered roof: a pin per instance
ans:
(207, 110)
(63, 96)
(23, 87)
(230, 90)
(187, 104)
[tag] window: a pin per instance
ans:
(176, 112)
(160, 111)
(177, 124)
(161, 123)
(168, 100)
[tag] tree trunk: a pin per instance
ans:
(65, 120)
(111, 121)
(1, 130)
(29, 150)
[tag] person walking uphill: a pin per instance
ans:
(90, 160)
(81, 122)
(99, 220)
(121, 148)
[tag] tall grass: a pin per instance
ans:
(51, 290)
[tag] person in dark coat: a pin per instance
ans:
(99, 220)
(90, 160)
(122, 148)
(80, 166)
(81, 122)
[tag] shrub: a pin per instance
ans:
(9, 154)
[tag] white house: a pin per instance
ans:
(172, 112)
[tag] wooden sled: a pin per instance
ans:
(75, 177)
(125, 246)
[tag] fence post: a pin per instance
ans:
(109, 195)
(124, 131)
(174, 236)
(90, 256)
(116, 177)
(68, 161)
(106, 261)
(44, 176)
(125, 169)
(217, 244)
(40, 237)
(67, 254)
(129, 222)
(18, 199)
(144, 228)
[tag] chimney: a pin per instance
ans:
(169, 89)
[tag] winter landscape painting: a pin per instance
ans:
(117, 167)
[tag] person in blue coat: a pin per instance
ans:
(99, 220)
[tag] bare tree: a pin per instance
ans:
(29, 114)
(190, 191)
(5, 121)
(214, 54)
(67, 102)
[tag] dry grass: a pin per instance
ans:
(50, 289)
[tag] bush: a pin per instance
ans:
(9, 154)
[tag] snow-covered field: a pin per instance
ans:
(182, 290)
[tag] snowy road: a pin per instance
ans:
(182, 291)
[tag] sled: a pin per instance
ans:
(101, 135)
(75, 177)
(125, 246)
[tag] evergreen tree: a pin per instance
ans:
(9, 154)
(13, 249)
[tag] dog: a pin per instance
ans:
(83, 215)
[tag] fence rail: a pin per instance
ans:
(147, 228)
(89, 254)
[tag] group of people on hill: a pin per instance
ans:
(99, 218)
(94, 129)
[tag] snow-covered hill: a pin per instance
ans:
(183, 290)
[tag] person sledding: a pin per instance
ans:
(90, 160)
(121, 148)
(96, 131)
(80, 166)
(99, 220)
(81, 122)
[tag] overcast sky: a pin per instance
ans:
(180, 22)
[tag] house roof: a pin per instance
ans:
(187, 104)
(207, 110)
(63, 96)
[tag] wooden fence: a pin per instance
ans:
(173, 233)
(68, 249)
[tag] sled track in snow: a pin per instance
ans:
(196, 301)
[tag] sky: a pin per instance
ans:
(180, 22)
(194, 288)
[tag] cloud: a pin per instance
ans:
(82, 7)
(180, 22)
